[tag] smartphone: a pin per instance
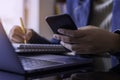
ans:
(60, 21)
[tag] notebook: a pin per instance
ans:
(34, 65)
(39, 48)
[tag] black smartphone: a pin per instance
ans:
(61, 21)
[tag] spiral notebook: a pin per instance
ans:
(39, 48)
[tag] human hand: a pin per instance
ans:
(17, 36)
(89, 40)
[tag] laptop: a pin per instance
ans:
(12, 62)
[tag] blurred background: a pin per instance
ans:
(33, 13)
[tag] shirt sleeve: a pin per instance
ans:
(37, 39)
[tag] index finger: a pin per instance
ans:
(16, 28)
(72, 33)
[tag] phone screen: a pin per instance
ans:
(60, 21)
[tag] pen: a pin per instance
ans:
(23, 29)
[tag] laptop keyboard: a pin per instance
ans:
(31, 64)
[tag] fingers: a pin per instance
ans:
(79, 48)
(17, 39)
(13, 32)
(72, 33)
(17, 36)
(70, 36)
(74, 40)
(63, 38)
(28, 34)
(84, 48)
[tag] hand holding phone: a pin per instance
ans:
(61, 21)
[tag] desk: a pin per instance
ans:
(53, 72)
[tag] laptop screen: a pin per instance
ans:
(8, 58)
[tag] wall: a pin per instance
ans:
(33, 15)
(46, 9)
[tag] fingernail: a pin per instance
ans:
(62, 42)
(60, 30)
(54, 36)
